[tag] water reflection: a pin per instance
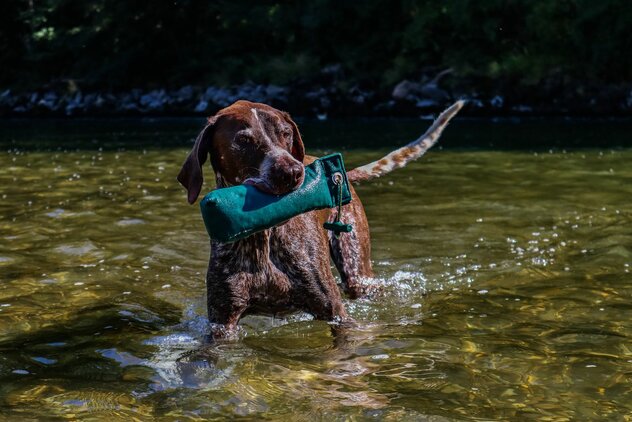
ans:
(505, 279)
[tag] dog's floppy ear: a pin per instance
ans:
(190, 175)
(298, 149)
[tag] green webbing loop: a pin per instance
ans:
(338, 226)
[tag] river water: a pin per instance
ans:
(505, 257)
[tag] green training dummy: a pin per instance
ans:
(237, 212)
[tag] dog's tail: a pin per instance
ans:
(402, 156)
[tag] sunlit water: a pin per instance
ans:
(506, 274)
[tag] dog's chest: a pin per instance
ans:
(253, 265)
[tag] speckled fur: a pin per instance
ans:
(285, 268)
(402, 156)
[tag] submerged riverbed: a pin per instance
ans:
(506, 274)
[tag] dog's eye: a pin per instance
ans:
(286, 133)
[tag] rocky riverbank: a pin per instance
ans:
(323, 99)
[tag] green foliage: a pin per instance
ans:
(111, 44)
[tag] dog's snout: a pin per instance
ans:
(286, 176)
(290, 175)
(296, 174)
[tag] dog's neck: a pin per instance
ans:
(251, 254)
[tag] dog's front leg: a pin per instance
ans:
(227, 298)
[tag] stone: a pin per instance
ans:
(275, 92)
(425, 103)
(126, 102)
(5, 95)
(89, 101)
(423, 95)
(201, 107)
(405, 90)
(358, 96)
(6, 99)
(432, 91)
(99, 101)
(250, 92)
(218, 96)
(497, 101)
(48, 101)
(184, 94)
(154, 100)
(74, 103)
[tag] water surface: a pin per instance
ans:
(506, 275)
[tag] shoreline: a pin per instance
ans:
(406, 99)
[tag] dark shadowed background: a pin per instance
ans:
(323, 57)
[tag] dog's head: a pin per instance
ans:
(249, 143)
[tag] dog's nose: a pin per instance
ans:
(296, 173)
(285, 176)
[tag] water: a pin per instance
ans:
(506, 275)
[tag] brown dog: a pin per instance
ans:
(285, 268)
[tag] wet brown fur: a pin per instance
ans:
(285, 268)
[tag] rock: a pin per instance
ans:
(74, 103)
(405, 90)
(251, 92)
(154, 100)
(432, 92)
(319, 95)
(328, 95)
(126, 102)
(223, 97)
(89, 102)
(7, 101)
(426, 104)
(33, 98)
(218, 96)
(497, 101)
(276, 93)
(201, 106)
(423, 95)
(5, 96)
(358, 96)
(184, 94)
(99, 101)
(181, 99)
(48, 101)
